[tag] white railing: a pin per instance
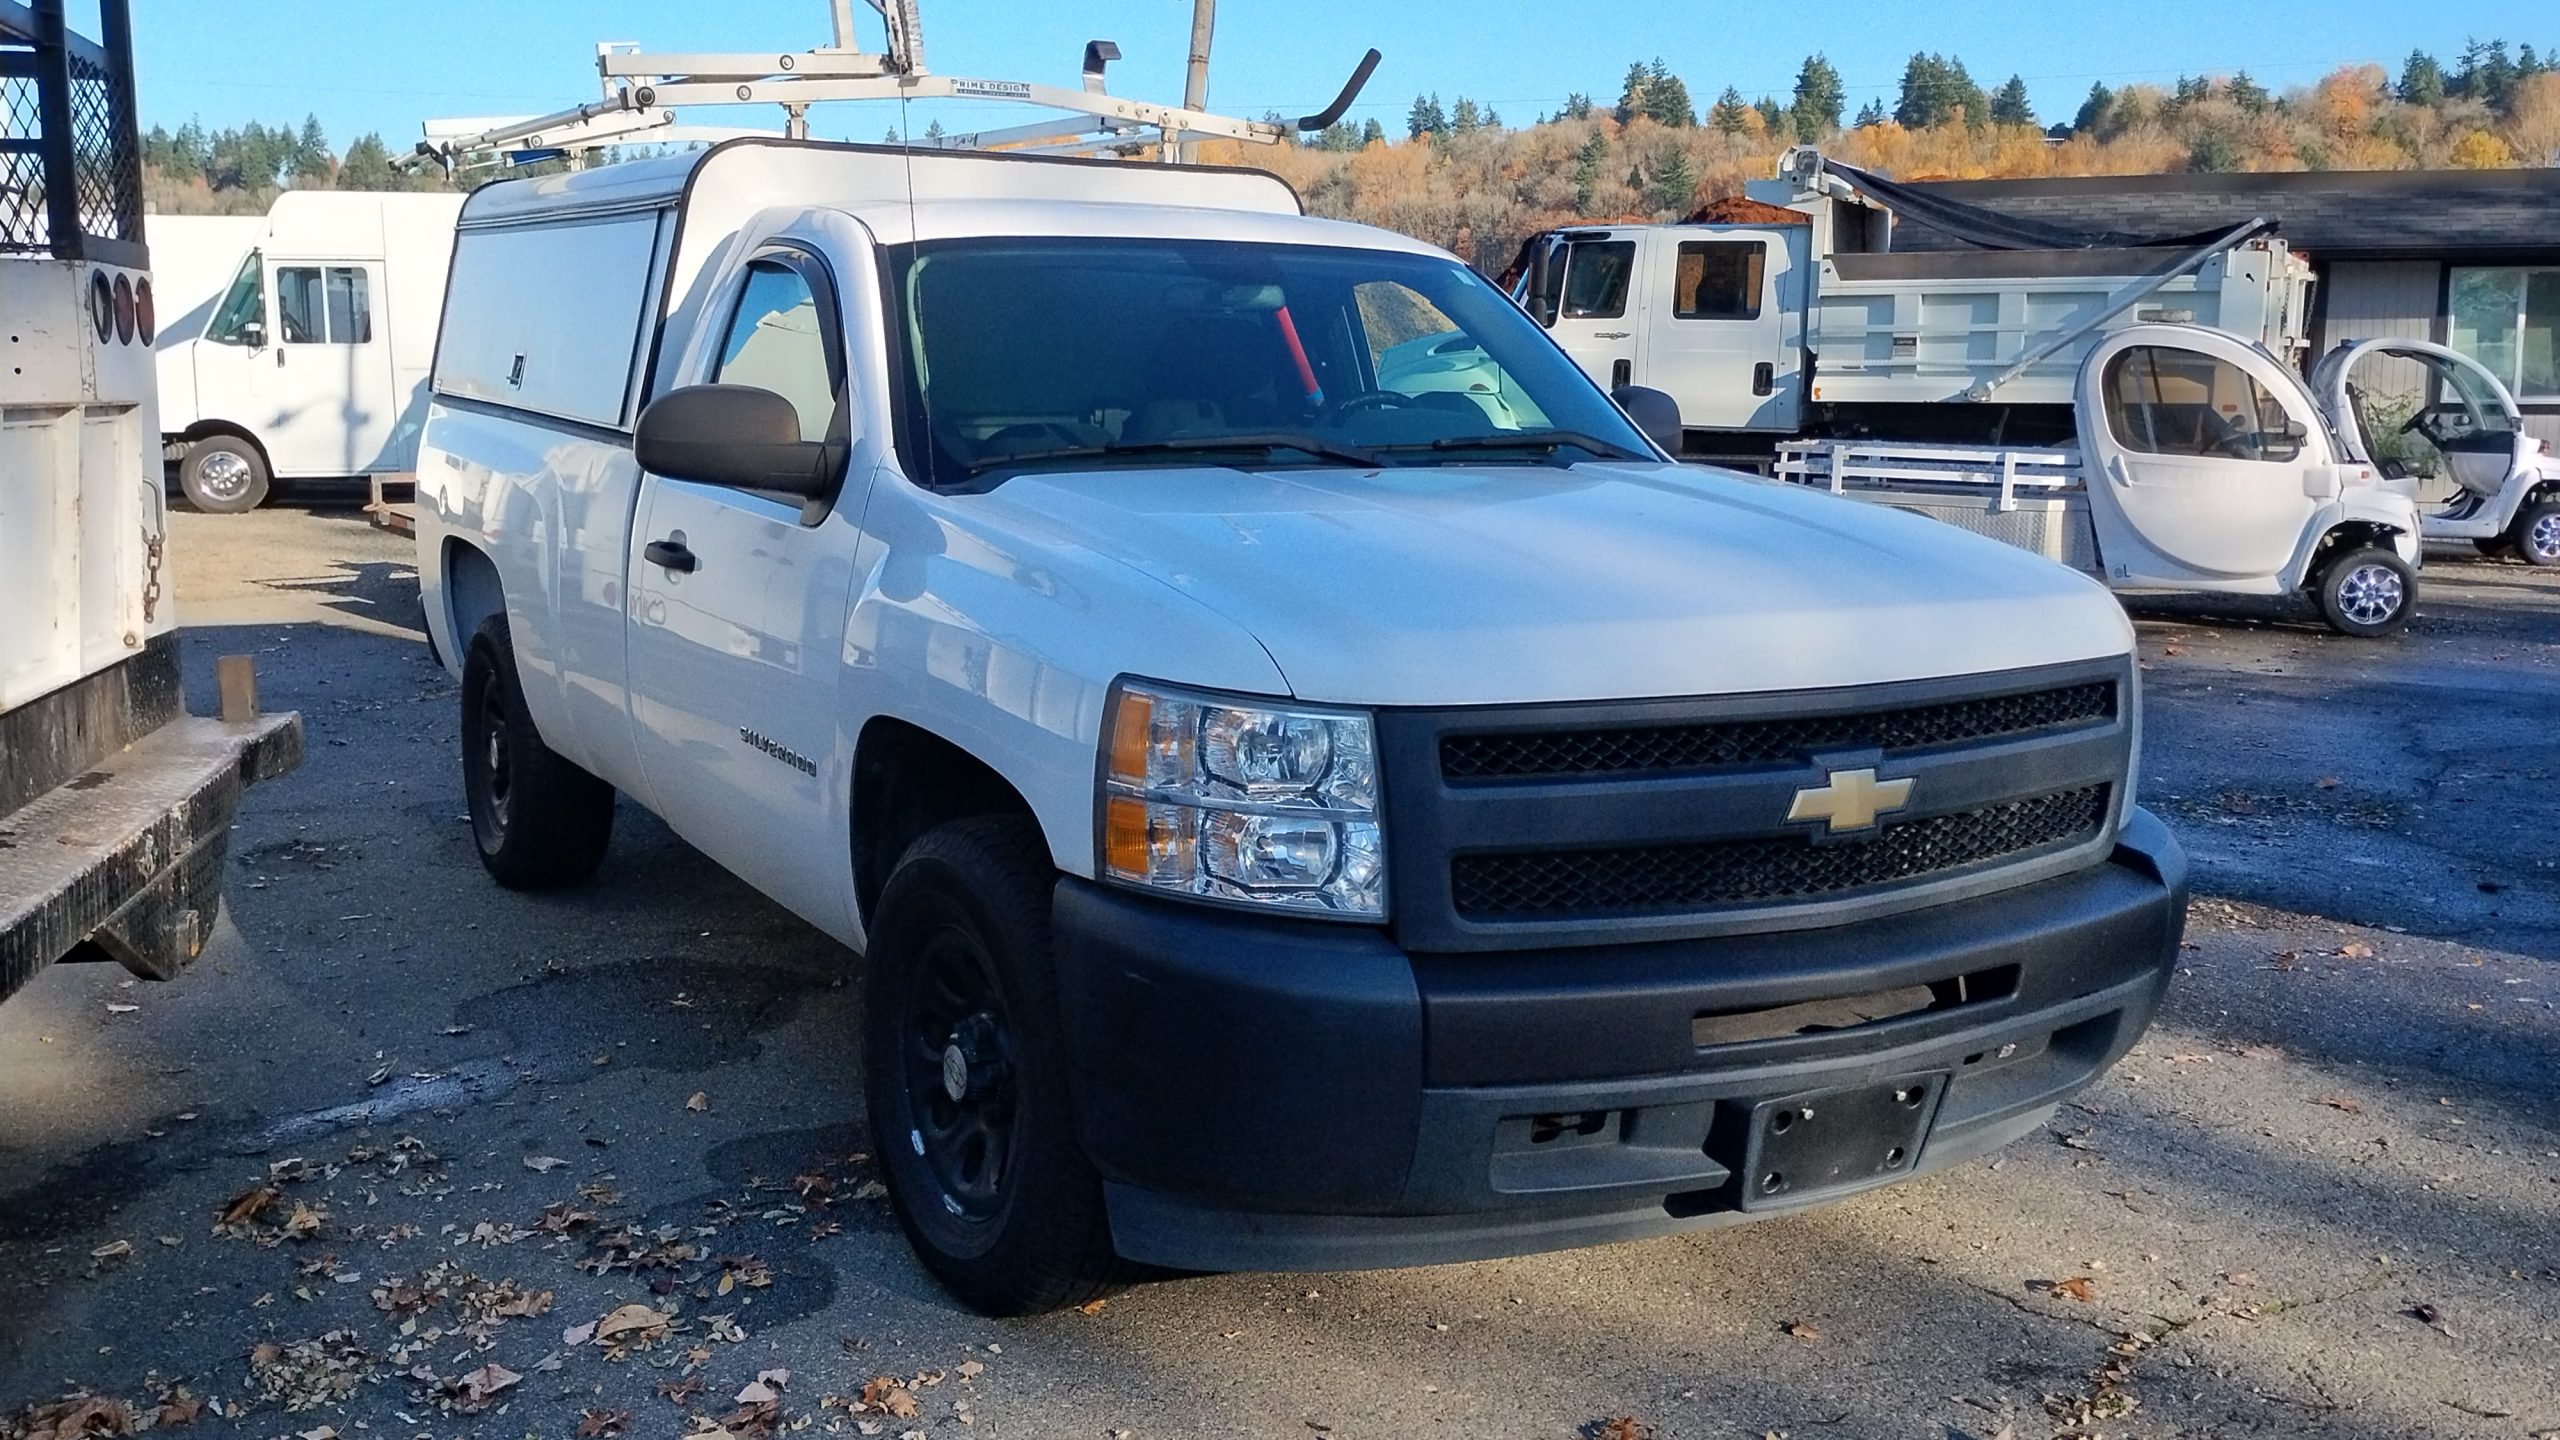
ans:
(1841, 466)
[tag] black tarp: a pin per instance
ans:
(1991, 230)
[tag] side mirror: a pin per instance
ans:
(733, 435)
(2284, 444)
(1656, 414)
(254, 332)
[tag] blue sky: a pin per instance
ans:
(367, 65)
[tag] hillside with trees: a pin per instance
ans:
(1457, 177)
(239, 171)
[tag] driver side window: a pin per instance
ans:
(241, 318)
(776, 343)
(2166, 401)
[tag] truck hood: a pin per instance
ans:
(1512, 584)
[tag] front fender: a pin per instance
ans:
(1005, 644)
(2384, 512)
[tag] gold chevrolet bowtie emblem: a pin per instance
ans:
(1850, 800)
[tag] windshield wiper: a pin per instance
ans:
(1263, 440)
(1548, 441)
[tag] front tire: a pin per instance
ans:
(965, 1071)
(538, 821)
(224, 475)
(2535, 537)
(2367, 592)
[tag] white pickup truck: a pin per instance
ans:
(1287, 820)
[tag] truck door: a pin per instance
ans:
(331, 386)
(738, 616)
(1728, 344)
(2204, 456)
(1594, 305)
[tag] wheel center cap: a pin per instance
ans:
(955, 1073)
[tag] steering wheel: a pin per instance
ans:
(1366, 400)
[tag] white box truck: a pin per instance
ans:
(1818, 328)
(115, 804)
(1291, 817)
(311, 362)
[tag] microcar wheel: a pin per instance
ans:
(223, 475)
(2536, 536)
(538, 821)
(964, 1068)
(2367, 592)
(2496, 547)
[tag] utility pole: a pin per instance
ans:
(1195, 83)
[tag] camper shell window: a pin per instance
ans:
(559, 312)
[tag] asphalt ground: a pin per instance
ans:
(455, 1127)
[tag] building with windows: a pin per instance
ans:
(2466, 258)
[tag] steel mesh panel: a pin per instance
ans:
(1735, 743)
(22, 219)
(1772, 869)
(107, 173)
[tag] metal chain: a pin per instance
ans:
(150, 576)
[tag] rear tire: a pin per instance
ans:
(2535, 537)
(2496, 547)
(2367, 592)
(538, 821)
(965, 1071)
(224, 475)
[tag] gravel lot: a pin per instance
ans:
(454, 1127)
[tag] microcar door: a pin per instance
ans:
(1723, 345)
(2203, 454)
(739, 607)
(2424, 411)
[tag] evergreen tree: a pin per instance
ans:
(1727, 115)
(1589, 166)
(2213, 150)
(2487, 75)
(368, 166)
(2010, 106)
(2421, 80)
(1676, 184)
(1666, 97)
(2190, 92)
(1372, 133)
(1464, 118)
(1773, 116)
(1819, 98)
(2096, 111)
(1631, 96)
(1936, 89)
(933, 132)
(1426, 117)
(1577, 106)
(1492, 118)
(2251, 96)
(312, 163)
(1871, 113)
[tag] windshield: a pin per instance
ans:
(1049, 352)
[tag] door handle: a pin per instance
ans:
(1764, 378)
(279, 357)
(1622, 374)
(670, 554)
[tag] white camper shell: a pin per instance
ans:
(2204, 465)
(2424, 412)
(311, 361)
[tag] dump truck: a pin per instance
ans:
(115, 804)
(1818, 327)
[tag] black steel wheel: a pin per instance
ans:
(537, 820)
(964, 1069)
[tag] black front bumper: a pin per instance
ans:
(1292, 1095)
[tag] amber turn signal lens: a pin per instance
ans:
(1124, 835)
(1131, 715)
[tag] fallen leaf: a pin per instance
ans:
(1091, 1307)
(756, 1392)
(1801, 1331)
(543, 1164)
(2344, 1103)
(1622, 1427)
(116, 1009)
(305, 1221)
(883, 1395)
(2355, 950)
(629, 1319)
(595, 1424)
(697, 1102)
(112, 1250)
(2240, 1279)
(578, 1334)
(970, 1369)
(479, 1385)
(2079, 1287)
(680, 1393)
(245, 1208)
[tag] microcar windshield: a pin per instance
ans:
(1073, 352)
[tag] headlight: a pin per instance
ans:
(1242, 801)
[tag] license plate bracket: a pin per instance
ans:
(1826, 1142)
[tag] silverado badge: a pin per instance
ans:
(1850, 800)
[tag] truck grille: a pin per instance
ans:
(1554, 826)
(1717, 745)
(1726, 874)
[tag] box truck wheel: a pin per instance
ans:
(2367, 591)
(2536, 533)
(538, 821)
(223, 475)
(965, 1071)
